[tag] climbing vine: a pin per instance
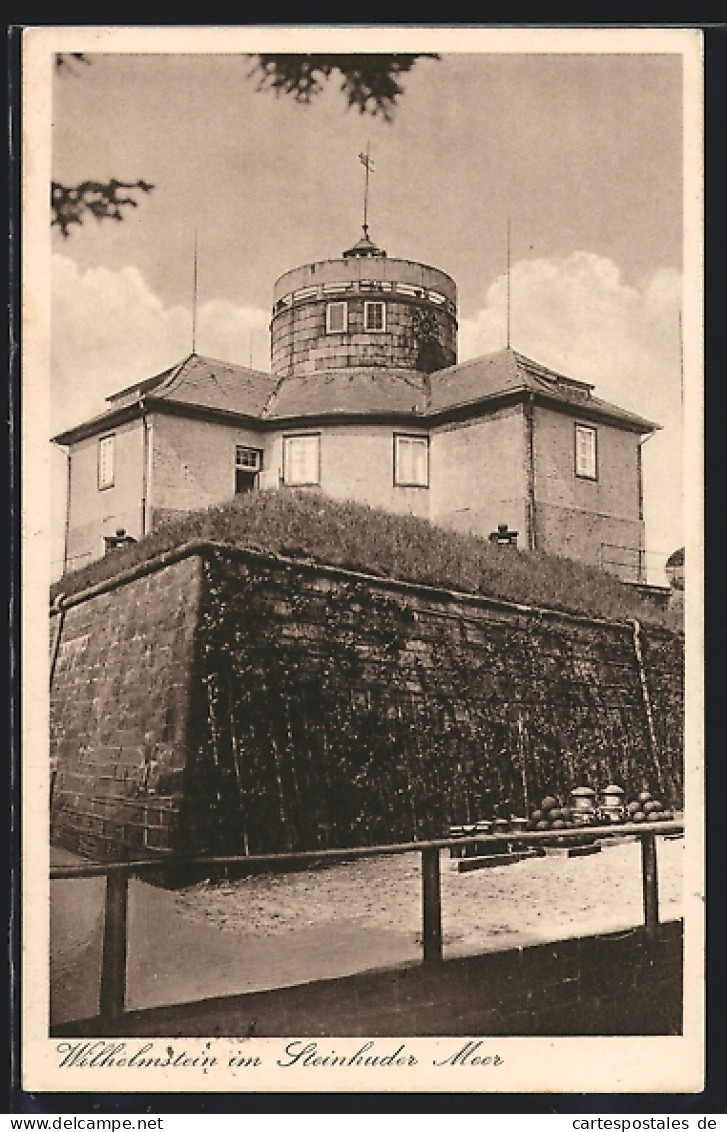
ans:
(332, 712)
(427, 338)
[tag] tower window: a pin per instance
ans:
(411, 461)
(586, 454)
(248, 462)
(336, 318)
(106, 460)
(374, 316)
(302, 459)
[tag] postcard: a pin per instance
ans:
(361, 661)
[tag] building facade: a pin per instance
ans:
(366, 402)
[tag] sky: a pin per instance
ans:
(581, 153)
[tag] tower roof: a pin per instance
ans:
(364, 247)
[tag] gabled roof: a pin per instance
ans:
(507, 373)
(196, 383)
(473, 380)
(356, 391)
(207, 382)
(207, 386)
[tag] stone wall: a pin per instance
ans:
(301, 344)
(119, 705)
(298, 706)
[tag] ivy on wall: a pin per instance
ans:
(329, 712)
(427, 337)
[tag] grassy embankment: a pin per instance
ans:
(308, 525)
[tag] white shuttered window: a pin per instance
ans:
(411, 461)
(302, 459)
(586, 454)
(106, 461)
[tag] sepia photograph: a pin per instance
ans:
(361, 448)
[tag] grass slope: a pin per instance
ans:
(309, 525)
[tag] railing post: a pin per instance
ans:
(112, 993)
(649, 878)
(431, 906)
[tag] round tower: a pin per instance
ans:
(363, 309)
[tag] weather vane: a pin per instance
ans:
(368, 164)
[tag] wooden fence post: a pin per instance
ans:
(650, 882)
(112, 993)
(431, 906)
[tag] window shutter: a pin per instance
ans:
(301, 464)
(586, 451)
(106, 452)
(412, 461)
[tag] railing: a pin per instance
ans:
(627, 562)
(112, 992)
(634, 564)
(353, 286)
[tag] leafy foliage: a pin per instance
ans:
(102, 199)
(303, 524)
(65, 60)
(370, 82)
(430, 353)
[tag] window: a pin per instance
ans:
(250, 458)
(374, 316)
(411, 461)
(106, 461)
(302, 459)
(248, 462)
(586, 455)
(336, 318)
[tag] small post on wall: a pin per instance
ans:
(431, 906)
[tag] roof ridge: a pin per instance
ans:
(268, 406)
(230, 365)
(543, 372)
(172, 382)
(471, 361)
(172, 375)
(144, 384)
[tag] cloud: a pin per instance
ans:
(235, 333)
(578, 316)
(110, 330)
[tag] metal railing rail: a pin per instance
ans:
(112, 992)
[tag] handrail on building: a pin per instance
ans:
(112, 993)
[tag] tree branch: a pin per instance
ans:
(370, 82)
(103, 200)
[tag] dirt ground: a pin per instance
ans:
(527, 902)
(264, 931)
